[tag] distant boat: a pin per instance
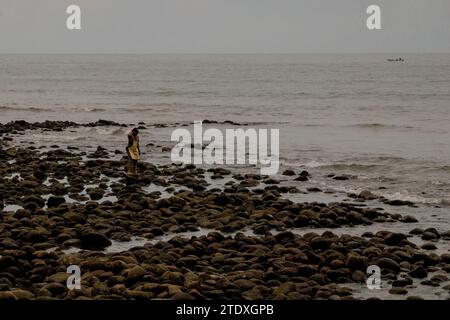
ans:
(396, 60)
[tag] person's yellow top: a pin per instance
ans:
(134, 148)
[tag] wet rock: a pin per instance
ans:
(60, 277)
(337, 264)
(138, 295)
(55, 201)
(359, 276)
(399, 203)
(428, 246)
(173, 277)
(284, 236)
(95, 193)
(388, 263)
(94, 241)
(418, 272)
(135, 274)
(402, 282)
(430, 283)
(284, 289)
(320, 243)
(341, 178)
(35, 236)
(429, 236)
(182, 296)
(244, 284)
(55, 289)
(367, 195)
(394, 239)
(446, 235)
(253, 294)
(414, 298)
(409, 219)
(22, 294)
(416, 231)
(288, 173)
(445, 257)
(7, 295)
(356, 262)
(304, 173)
(34, 199)
(440, 278)
(398, 290)
(271, 181)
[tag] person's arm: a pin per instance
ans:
(138, 144)
(130, 141)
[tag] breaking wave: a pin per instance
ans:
(377, 126)
(31, 109)
(106, 131)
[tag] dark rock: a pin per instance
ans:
(356, 262)
(416, 231)
(409, 219)
(284, 236)
(429, 236)
(418, 272)
(94, 241)
(320, 243)
(398, 290)
(394, 239)
(341, 178)
(182, 296)
(402, 282)
(388, 263)
(399, 203)
(55, 201)
(367, 195)
(34, 199)
(35, 236)
(289, 173)
(428, 246)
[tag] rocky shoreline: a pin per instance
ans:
(67, 198)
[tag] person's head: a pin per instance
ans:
(135, 132)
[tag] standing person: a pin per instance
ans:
(133, 151)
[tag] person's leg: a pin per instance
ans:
(130, 167)
(130, 163)
(134, 162)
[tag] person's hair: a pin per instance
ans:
(135, 130)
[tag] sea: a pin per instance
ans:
(387, 124)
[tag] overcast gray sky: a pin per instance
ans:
(224, 26)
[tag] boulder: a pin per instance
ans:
(94, 241)
(388, 263)
(394, 239)
(55, 201)
(135, 273)
(418, 272)
(288, 173)
(367, 195)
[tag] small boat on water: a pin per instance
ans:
(396, 60)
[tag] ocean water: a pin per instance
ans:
(386, 124)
